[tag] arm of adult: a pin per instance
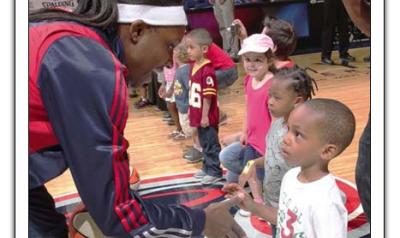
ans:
(242, 34)
(83, 90)
(360, 14)
(220, 222)
(266, 212)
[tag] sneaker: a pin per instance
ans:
(327, 61)
(187, 148)
(166, 119)
(199, 174)
(134, 180)
(172, 134)
(244, 213)
(166, 115)
(193, 160)
(141, 103)
(193, 156)
(347, 57)
(208, 179)
(179, 136)
(133, 94)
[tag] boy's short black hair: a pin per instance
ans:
(283, 35)
(201, 36)
(337, 125)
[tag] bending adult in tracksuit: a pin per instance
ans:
(78, 110)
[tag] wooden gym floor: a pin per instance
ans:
(154, 155)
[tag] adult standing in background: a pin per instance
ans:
(335, 16)
(360, 13)
(224, 12)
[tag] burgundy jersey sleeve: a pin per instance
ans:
(209, 82)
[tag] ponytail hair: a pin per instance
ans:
(301, 82)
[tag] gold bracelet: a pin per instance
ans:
(248, 166)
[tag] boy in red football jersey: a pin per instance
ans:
(203, 108)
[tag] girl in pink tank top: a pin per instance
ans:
(258, 63)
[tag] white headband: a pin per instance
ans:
(152, 15)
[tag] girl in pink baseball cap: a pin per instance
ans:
(258, 62)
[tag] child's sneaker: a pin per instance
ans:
(244, 213)
(179, 136)
(173, 133)
(187, 148)
(208, 179)
(166, 115)
(199, 174)
(193, 156)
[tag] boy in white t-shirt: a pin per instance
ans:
(310, 203)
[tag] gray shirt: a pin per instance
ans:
(274, 165)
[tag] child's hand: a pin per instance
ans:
(248, 172)
(161, 91)
(243, 139)
(204, 122)
(242, 34)
(229, 139)
(235, 190)
(169, 93)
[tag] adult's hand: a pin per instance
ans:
(219, 222)
(242, 33)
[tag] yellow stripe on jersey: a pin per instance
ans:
(209, 93)
(209, 89)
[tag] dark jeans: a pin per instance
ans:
(208, 138)
(234, 158)
(363, 170)
(152, 93)
(226, 77)
(334, 15)
(273, 230)
(44, 220)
